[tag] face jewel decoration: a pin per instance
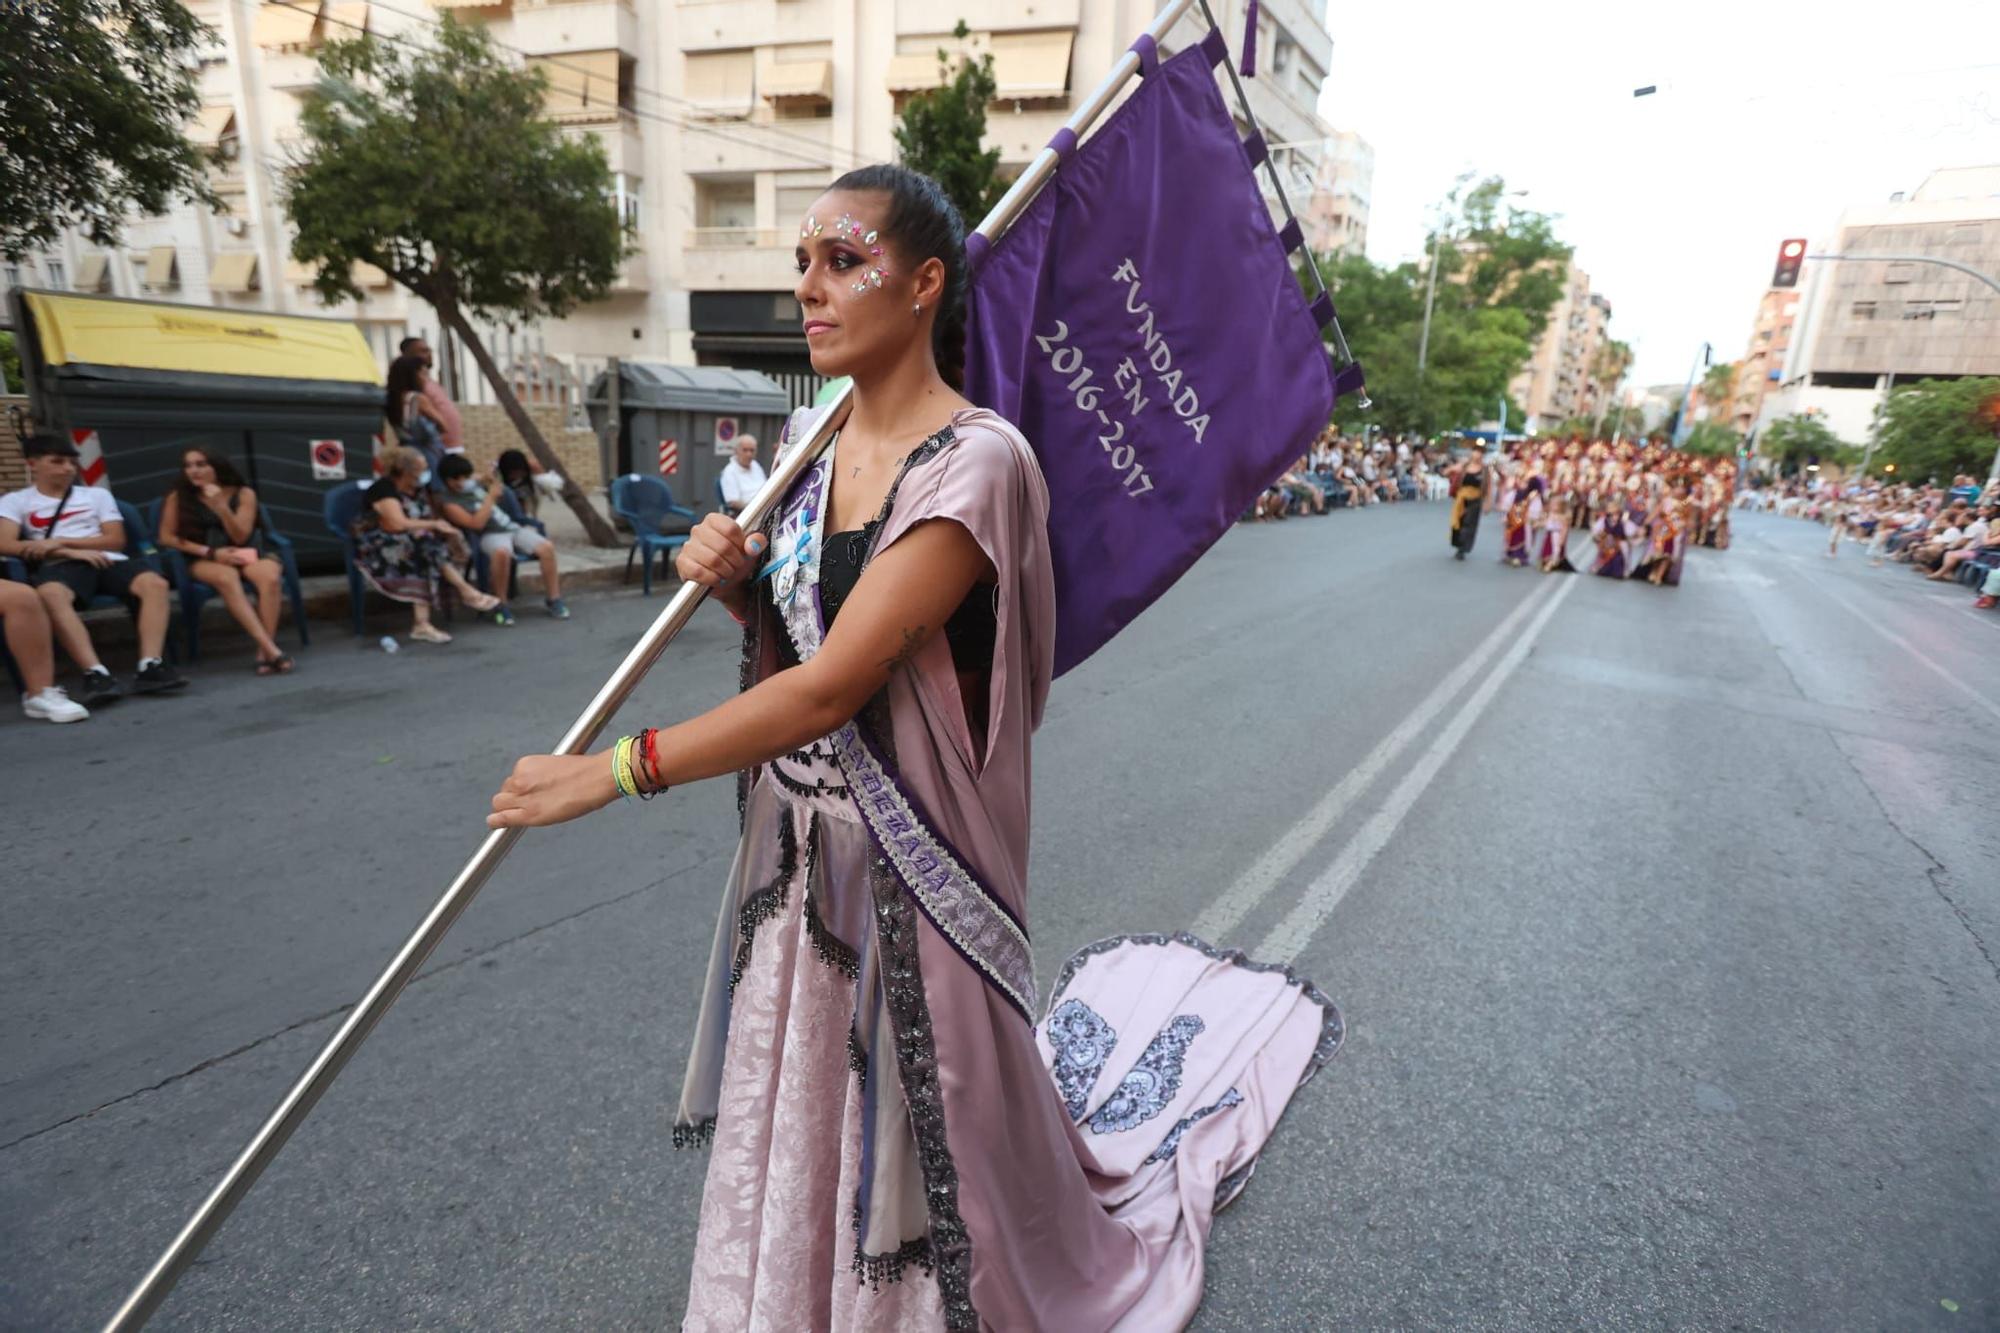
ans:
(871, 282)
(810, 228)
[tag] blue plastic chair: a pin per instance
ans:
(138, 546)
(337, 511)
(482, 564)
(7, 658)
(195, 594)
(721, 500)
(643, 502)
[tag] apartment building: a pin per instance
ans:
(1864, 326)
(1560, 380)
(721, 120)
(1334, 214)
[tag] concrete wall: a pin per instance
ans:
(488, 432)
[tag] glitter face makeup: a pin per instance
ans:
(810, 228)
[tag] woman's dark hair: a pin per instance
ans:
(923, 224)
(403, 375)
(513, 463)
(453, 466)
(192, 518)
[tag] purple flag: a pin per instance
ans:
(1141, 325)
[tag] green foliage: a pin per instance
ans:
(940, 132)
(1940, 428)
(10, 364)
(94, 95)
(1718, 385)
(437, 166)
(1712, 439)
(1793, 442)
(1499, 273)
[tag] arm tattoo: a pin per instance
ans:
(912, 640)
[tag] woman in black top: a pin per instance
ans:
(1468, 496)
(210, 517)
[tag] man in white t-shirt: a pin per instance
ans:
(742, 476)
(72, 538)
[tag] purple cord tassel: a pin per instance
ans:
(1250, 41)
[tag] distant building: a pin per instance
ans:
(1562, 378)
(1864, 326)
(1335, 217)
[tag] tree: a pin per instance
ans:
(1795, 441)
(437, 166)
(1712, 439)
(1718, 389)
(10, 365)
(93, 97)
(940, 133)
(1940, 428)
(1498, 277)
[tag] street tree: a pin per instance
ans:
(1940, 428)
(10, 364)
(94, 95)
(1718, 390)
(940, 132)
(1797, 441)
(1712, 439)
(1500, 272)
(437, 165)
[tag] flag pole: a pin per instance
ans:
(319, 1075)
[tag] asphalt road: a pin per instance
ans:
(1666, 923)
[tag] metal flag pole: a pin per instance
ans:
(303, 1095)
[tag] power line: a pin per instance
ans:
(559, 63)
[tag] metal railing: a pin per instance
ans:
(736, 238)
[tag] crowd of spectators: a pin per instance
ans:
(1947, 533)
(1340, 472)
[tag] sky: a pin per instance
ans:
(1769, 120)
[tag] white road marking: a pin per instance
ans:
(1228, 911)
(1908, 647)
(1291, 935)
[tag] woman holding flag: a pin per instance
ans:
(897, 1142)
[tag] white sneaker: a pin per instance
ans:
(53, 705)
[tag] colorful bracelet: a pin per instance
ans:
(621, 767)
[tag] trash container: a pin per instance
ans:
(700, 410)
(294, 402)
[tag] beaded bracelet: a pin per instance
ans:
(635, 765)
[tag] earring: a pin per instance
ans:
(917, 309)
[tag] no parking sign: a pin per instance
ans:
(726, 431)
(329, 460)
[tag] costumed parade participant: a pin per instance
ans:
(1519, 523)
(896, 1143)
(1468, 491)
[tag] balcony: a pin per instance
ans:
(739, 259)
(922, 17)
(721, 25)
(581, 25)
(739, 147)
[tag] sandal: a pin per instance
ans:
(282, 664)
(482, 601)
(267, 666)
(429, 634)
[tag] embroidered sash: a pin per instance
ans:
(931, 871)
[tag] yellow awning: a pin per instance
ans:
(148, 335)
(1029, 65)
(721, 82)
(367, 275)
(298, 274)
(799, 78)
(467, 4)
(280, 24)
(580, 83)
(361, 274)
(234, 272)
(910, 74)
(90, 273)
(162, 266)
(213, 124)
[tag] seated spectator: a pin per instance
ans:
(25, 622)
(72, 538)
(1981, 536)
(405, 552)
(474, 506)
(742, 476)
(210, 517)
(527, 479)
(1947, 534)
(1989, 592)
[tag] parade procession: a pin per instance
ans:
(1640, 506)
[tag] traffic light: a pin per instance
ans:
(1790, 256)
